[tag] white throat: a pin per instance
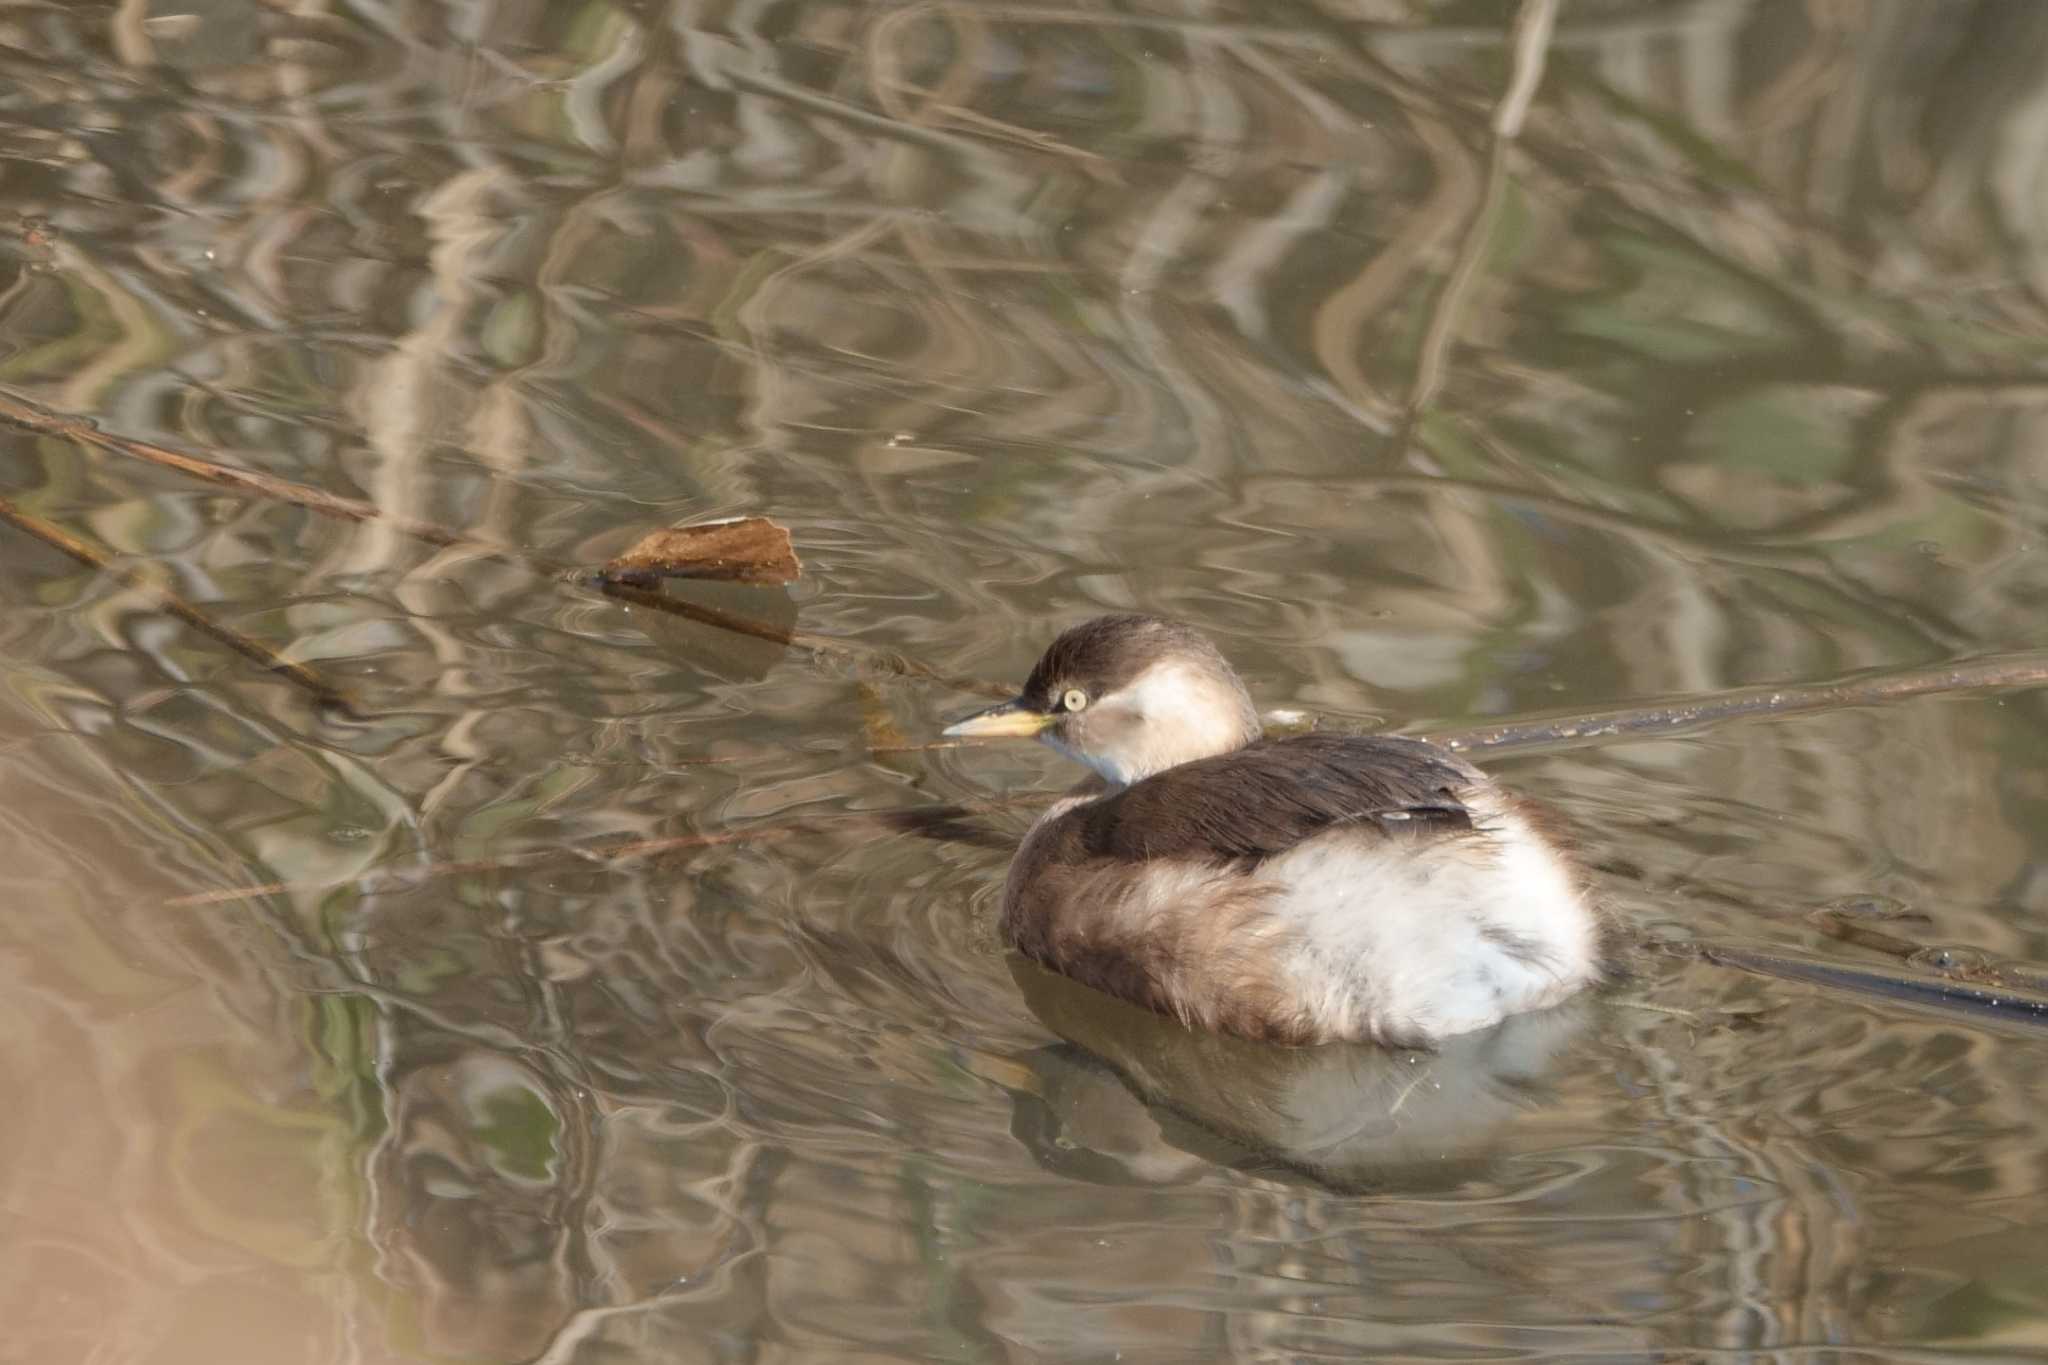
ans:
(1111, 768)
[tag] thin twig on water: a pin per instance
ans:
(2004, 1004)
(323, 692)
(398, 879)
(944, 822)
(819, 646)
(42, 421)
(1947, 961)
(2000, 671)
(1531, 47)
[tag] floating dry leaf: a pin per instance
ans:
(743, 550)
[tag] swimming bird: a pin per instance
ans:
(1310, 889)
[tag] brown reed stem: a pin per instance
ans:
(2003, 672)
(43, 421)
(942, 822)
(323, 692)
(1533, 25)
(1947, 994)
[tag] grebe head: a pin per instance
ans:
(1128, 696)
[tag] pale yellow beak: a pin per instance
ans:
(1003, 720)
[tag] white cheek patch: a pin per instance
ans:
(1192, 714)
(1171, 714)
(1164, 690)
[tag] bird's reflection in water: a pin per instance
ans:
(1135, 1097)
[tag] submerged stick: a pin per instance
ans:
(396, 879)
(1533, 25)
(43, 421)
(1950, 979)
(2001, 671)
(1947, 961)
(946, 822)
(818, 646)
(1996, 672)
(323, 692)
(2004, 1004)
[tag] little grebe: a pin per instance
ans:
(1303, 890)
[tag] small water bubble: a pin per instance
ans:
(351, 834)
(1949, 961)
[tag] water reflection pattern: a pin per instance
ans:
(1727, 371)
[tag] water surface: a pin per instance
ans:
(1723, 364)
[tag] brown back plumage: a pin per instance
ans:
(1261, 800)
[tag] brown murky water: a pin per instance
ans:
(1723, 362)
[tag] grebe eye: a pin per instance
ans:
(1073, 699)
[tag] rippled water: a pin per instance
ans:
(1724, 365)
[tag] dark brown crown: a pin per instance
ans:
(1108, 653)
